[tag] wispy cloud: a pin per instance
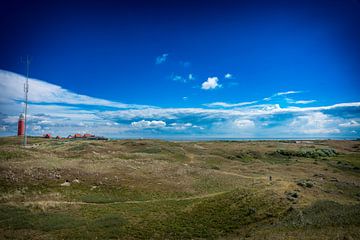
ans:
(64, 109)
(162, 58)
(292, 101)
(58, 111)
(286, 93)
(148, 124)
(44, 92)
(262, 110)
(184, 126)
(179, 78)
(228, 76)
(304, 101)
(314, 123)
(350, 124)
(244, 123)
(210, 83)
(281, 94)
(229, 105)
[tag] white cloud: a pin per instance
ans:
(191, 77)
(11, 119)
(161, 59)
(11, 85)
(289, 100)
(229, 105)
(351, 123)
(148, 124)
(180, 126)
(180, 78)
(60, 112)
(184, 126)
(228, 76)
(210, 83)
(36, 128)
(256, 110)
(286, 93)
(244, 123)
(304, 101)
(64, 109)
(314, 123)
(280, 94)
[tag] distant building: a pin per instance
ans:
(21, 125)
(70, 136)
(58, 137)
(47, 135)
(87, 135)
(77, 135)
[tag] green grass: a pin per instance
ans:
(222, 214)
(324, 213)
(150, 189)
(347, 162)
(306, 153)
(6, 155)
(202, 218)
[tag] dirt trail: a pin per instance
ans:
(239, 175)
(54, 202)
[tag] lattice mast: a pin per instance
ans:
(26, 91)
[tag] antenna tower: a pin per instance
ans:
(26, 90)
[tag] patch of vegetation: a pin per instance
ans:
(12, 154)
(222, 214)
(347, 162)
(22, 218)
(245, 156)
(306, 183)
(313, 153)
(292, 196)
(79, 147)
(324, 213)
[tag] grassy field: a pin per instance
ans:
(152, 189)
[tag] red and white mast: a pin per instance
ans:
(26, 90)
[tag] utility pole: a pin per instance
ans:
(26, 90)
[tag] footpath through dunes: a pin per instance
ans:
(152, 189)
(54, 202)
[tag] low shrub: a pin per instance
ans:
(314, 153)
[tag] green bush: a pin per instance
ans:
(314, 153)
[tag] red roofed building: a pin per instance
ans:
(87, 135)
(77, 135)
(47, 135)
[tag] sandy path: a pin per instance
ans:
(54, 202)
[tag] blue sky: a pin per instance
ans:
(183, 69)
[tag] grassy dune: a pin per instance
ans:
(151, 189)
